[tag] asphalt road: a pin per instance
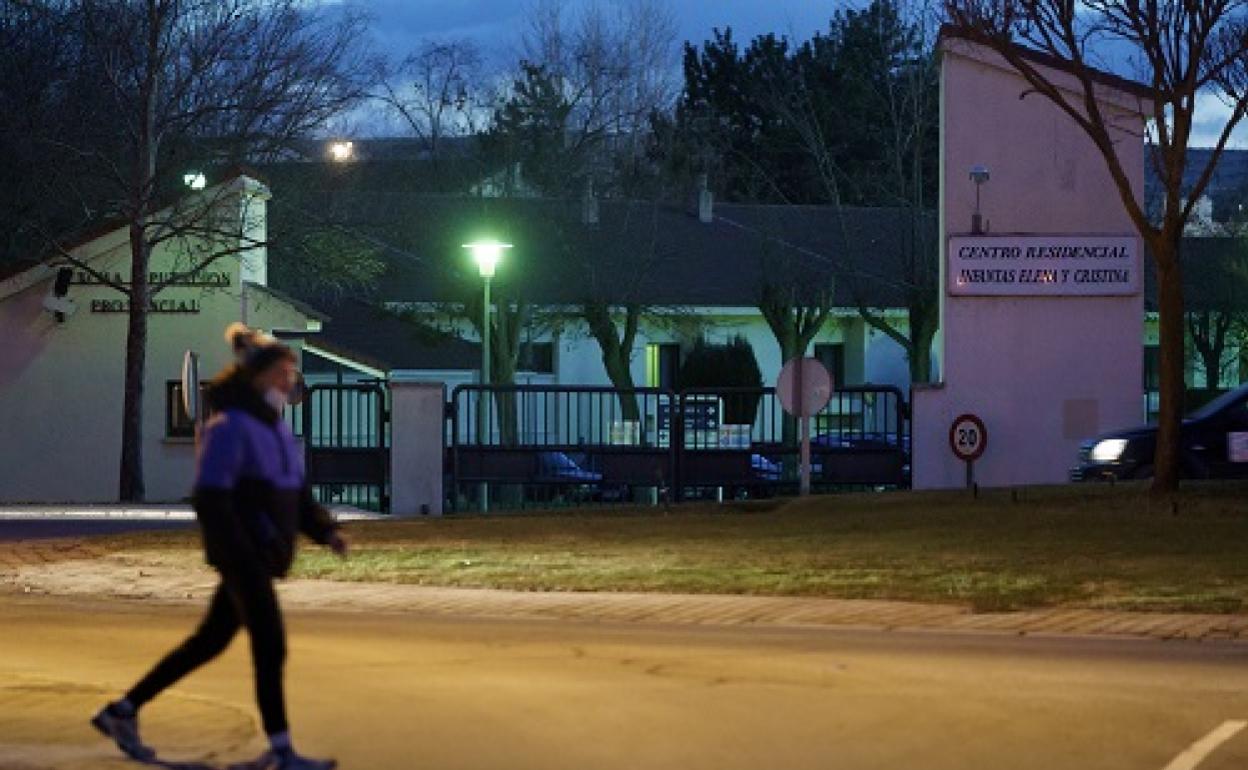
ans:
(402, 691)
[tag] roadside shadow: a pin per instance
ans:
(167, 765)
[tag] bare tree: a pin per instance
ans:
(610, 67)
(576, 120)
(189, 81)
(438, 92)
(1183, 52)
(618, 262)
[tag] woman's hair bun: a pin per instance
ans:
(239, 336)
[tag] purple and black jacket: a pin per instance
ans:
(251, 494)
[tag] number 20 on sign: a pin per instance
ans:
(968, 438)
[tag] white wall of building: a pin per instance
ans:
(61, 383)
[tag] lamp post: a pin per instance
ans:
(979, 175)
(487, 255)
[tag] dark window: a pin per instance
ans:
(669, 365)
(537, 357)
(178, 424)
(832, 356)
(1152, 368)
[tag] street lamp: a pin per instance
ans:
(487, 255)
(342, 151)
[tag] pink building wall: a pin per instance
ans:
(1044, 373)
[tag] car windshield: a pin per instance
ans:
(1218, 404)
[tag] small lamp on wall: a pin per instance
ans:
(57, 303)
(979, 175)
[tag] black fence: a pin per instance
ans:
(538, 445)
(345, 432)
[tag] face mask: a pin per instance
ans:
(275, 398)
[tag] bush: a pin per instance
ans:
(717, 367)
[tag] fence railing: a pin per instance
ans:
(596, 443)
(345, 432)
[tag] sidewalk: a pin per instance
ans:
(114, 512)
(78, 568)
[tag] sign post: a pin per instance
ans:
(968, 438)
(804, 388)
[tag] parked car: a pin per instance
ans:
(568, 476)
(1213, 444)
(558, 467)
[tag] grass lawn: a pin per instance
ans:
(1085, 546)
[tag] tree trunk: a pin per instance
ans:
(617, 353)
(787, 338)
(503, 359)
(1166, 461)
(1209, 330)
(131, 488)
(923, 327)
(619, 370)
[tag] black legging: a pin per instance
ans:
(244, 598)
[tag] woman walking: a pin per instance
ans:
(251, 499)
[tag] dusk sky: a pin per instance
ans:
(496, 25)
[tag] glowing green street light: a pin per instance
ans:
(487, 255)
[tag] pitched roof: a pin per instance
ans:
(106, 225)
(1100, 76)
(654, 253)
(363, 332)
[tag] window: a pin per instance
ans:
(832, 356)
(536, 357)
(178, 424)
(1152, 368)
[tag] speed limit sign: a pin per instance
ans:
(968, 438)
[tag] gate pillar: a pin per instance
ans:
(417, 438)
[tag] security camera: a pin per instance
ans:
(979, 174)
(56, 302)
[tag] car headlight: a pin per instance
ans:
(1109, 450)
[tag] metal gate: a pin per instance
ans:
(346, 433)
(543, 444)
(742, 442)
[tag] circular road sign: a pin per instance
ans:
(968, 437)
(804, 387)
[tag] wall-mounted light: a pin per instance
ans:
(195, 180)
(57, 303)
(979, 175)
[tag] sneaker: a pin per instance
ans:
(289, 760)
(124, 731)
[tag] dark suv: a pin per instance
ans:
(1214, 445)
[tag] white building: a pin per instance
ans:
(61, 377)
(696, 274)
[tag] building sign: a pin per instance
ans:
(701, 422)
(1044, 266)
(161, 305)
(200, 279)
(155, 306)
